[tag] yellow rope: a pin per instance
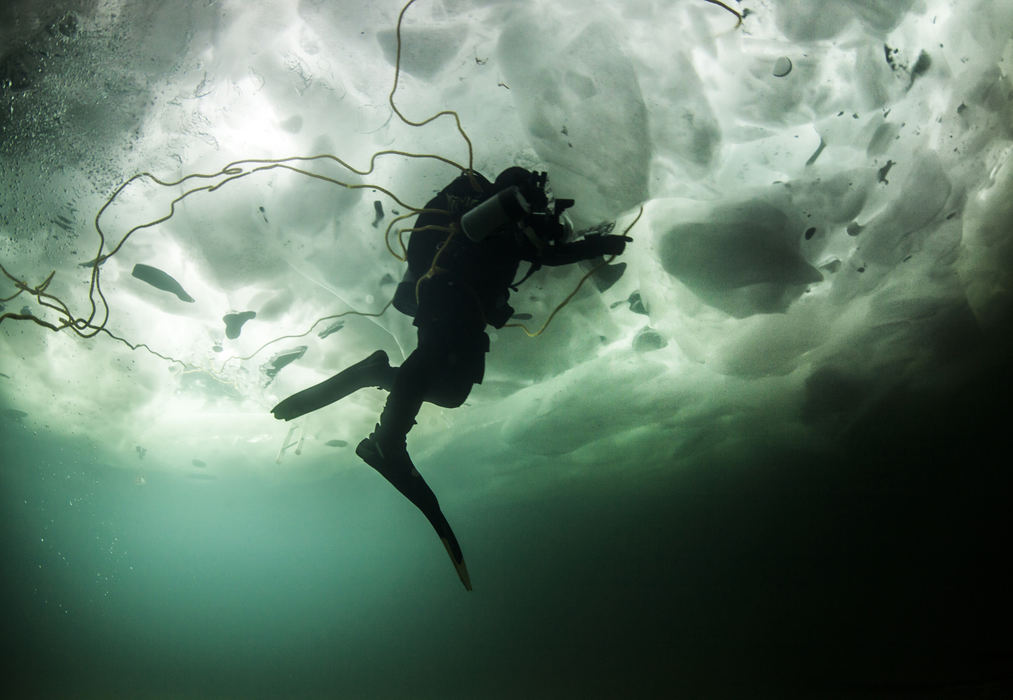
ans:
(403, 256)
(87, 327)
(316, 323)
(431, 272)
(734, 12)
(470, 170)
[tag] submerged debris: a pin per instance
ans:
(884, 171)
(637, 304)
(234, 323)
(782, 67)
(160, 280)
(920, 68)
(198, 463)
(891, 54)
(290, 441)
(817, 152)
(13, 414)
(141, 451)
(648, 339)
(336, 443)
(282, 360)
(333, 328)
(378, 208)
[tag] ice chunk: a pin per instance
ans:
(891, 236)
(234, 323)
(282, 360)
(12, 414)
(160, 280)
(587, 86)
(648, 339)
(743, 260)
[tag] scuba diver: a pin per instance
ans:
(462, 260)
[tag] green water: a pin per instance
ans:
(779, 574)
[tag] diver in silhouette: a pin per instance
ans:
(462, 260)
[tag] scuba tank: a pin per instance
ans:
(502, 211)
(526, 208)
(530, 205)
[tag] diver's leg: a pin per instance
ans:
(463, 367)
(438, 373)
(407, 392)
(385, 450)
(375, 370)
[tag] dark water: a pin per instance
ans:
(873, 570)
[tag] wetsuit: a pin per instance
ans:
(469, 289)
(452, 301)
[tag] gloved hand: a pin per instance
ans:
(613, 245)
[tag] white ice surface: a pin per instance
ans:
(645, 102)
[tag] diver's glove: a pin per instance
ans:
(610, 245)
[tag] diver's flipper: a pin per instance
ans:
(401, 473)
(373, 371)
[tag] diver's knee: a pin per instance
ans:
(456, 400)
(450, 396)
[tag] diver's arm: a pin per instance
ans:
(584, 249)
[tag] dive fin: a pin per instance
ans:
(373, 371)
(458, 560)
(403, 476)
